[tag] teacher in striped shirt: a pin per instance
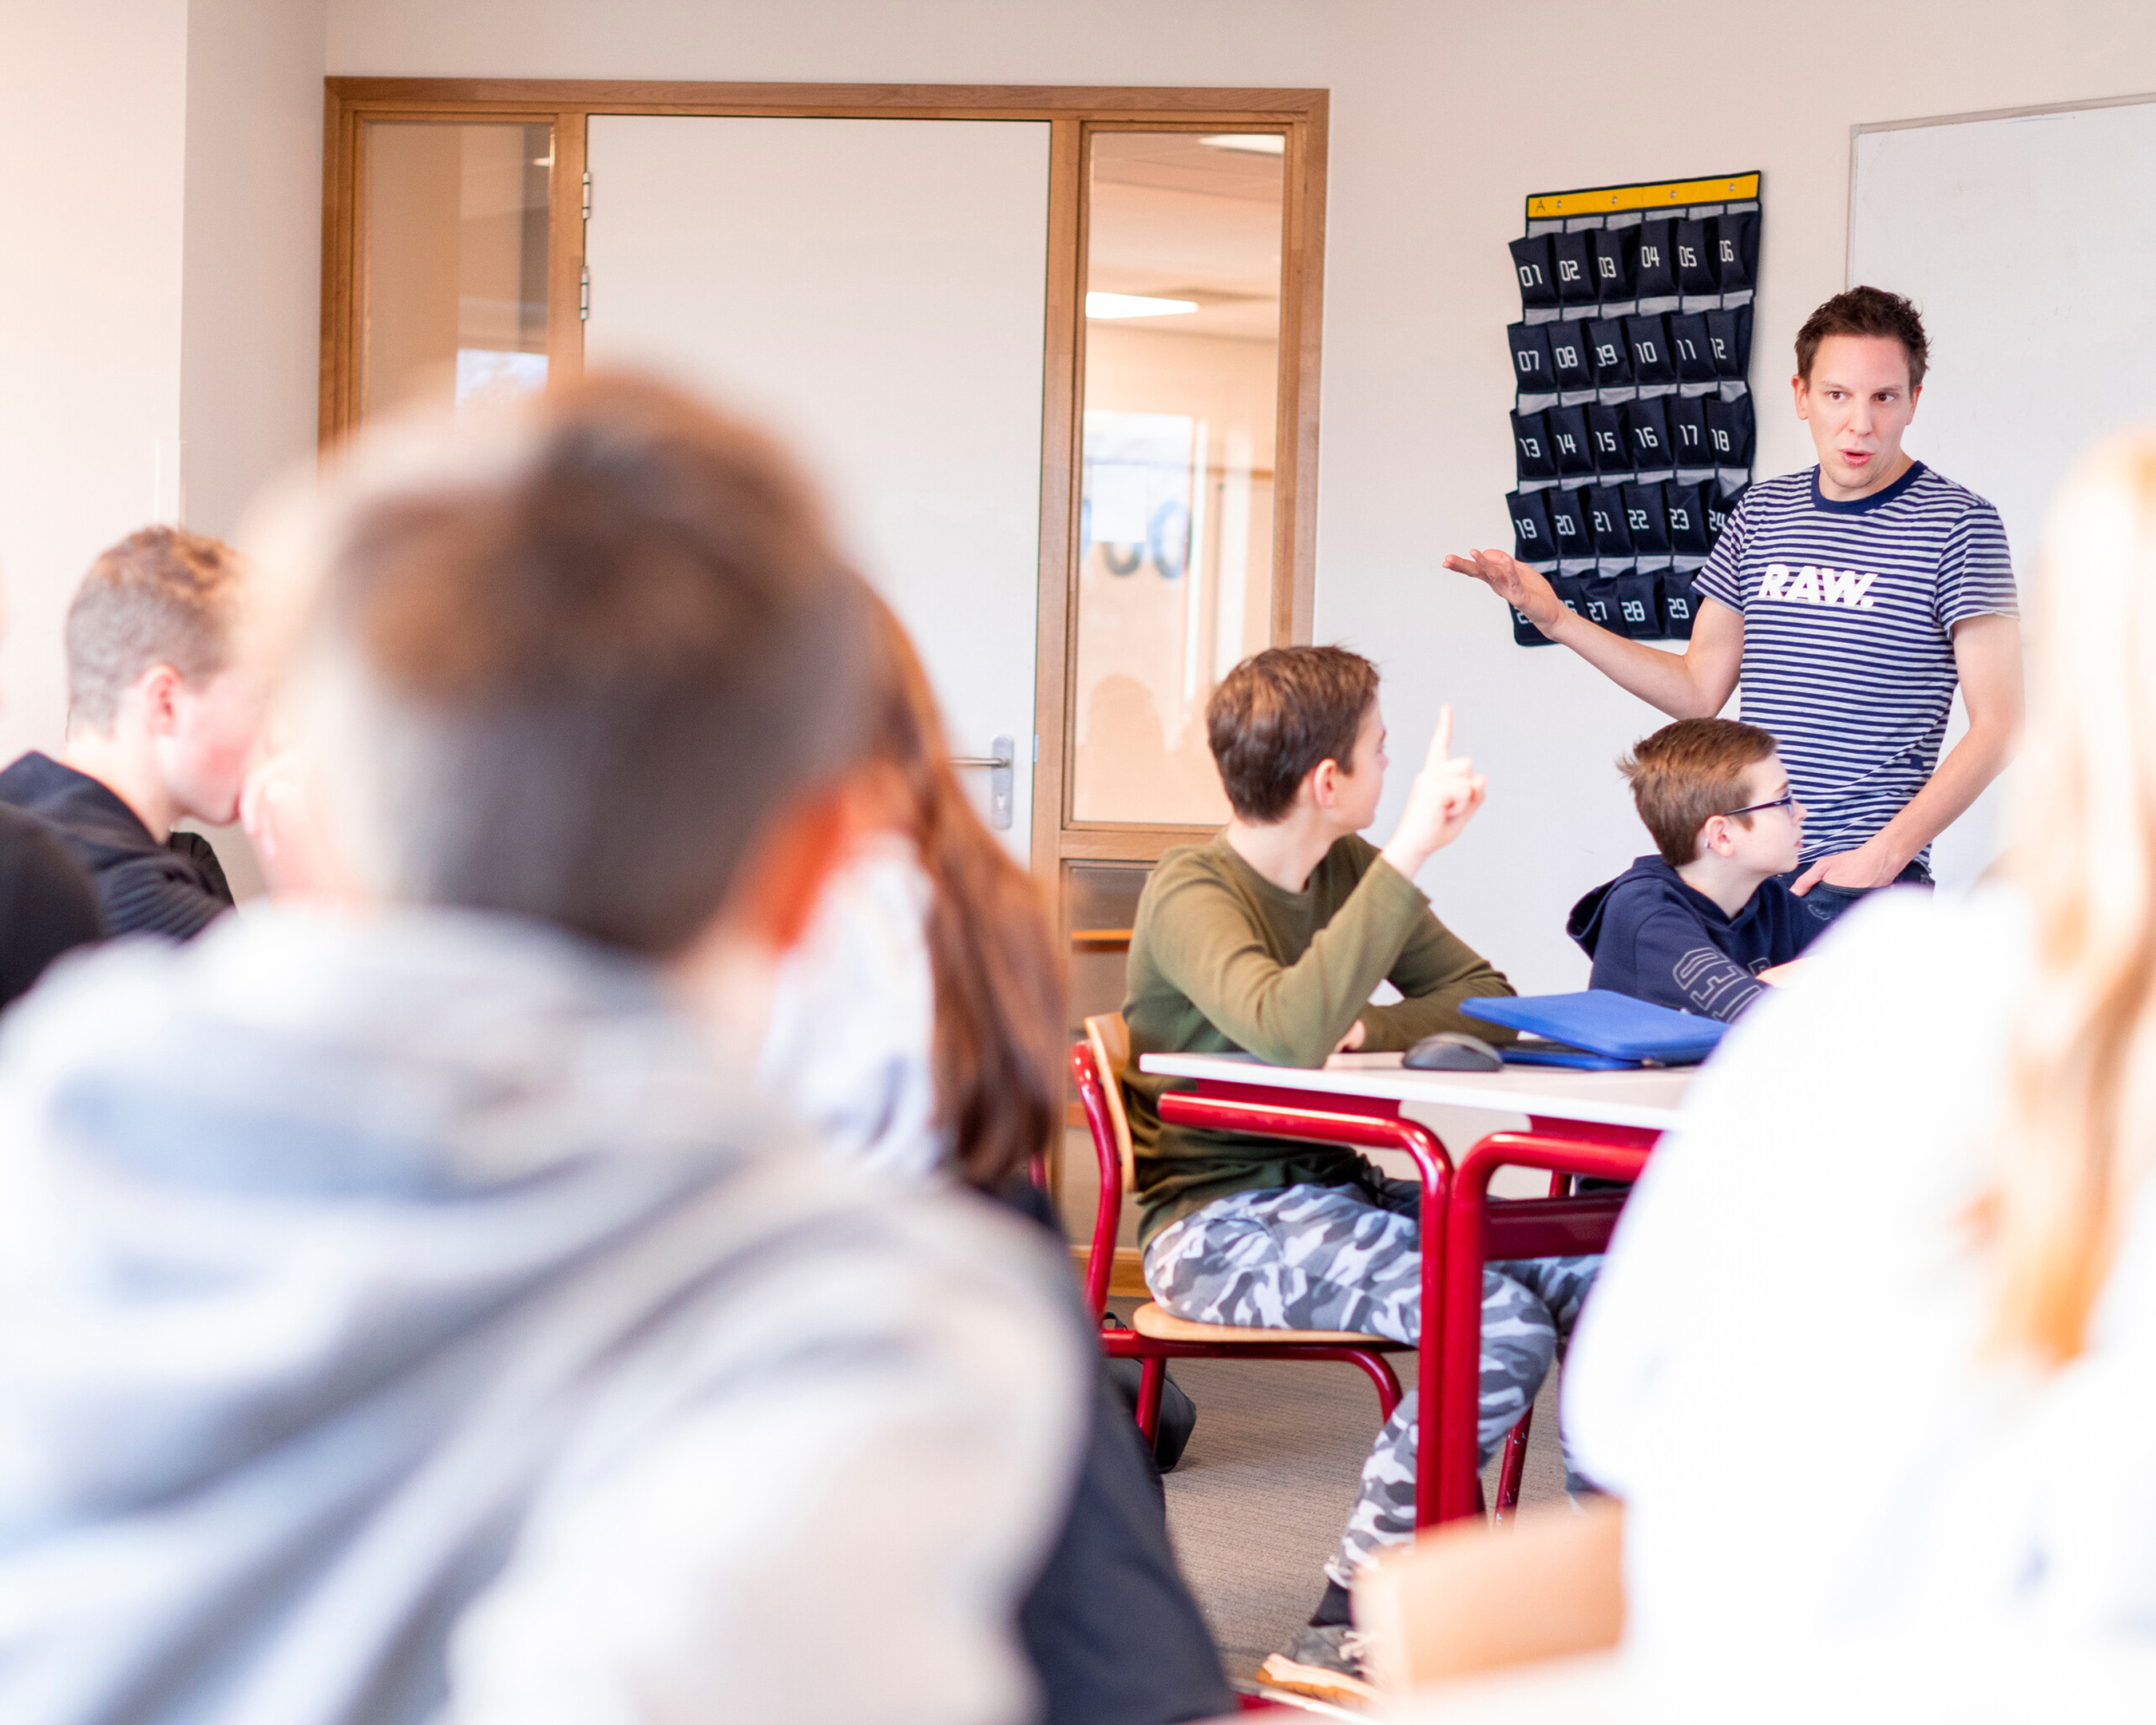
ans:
(1849, 599)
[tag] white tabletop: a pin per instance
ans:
(1648, 1099)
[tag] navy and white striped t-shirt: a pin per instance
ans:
(1849, 614)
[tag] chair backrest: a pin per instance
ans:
(1093, 1094)
(1110, 1038)
(1465, 1598)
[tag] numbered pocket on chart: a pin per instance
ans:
(1680, 605)
(1533, 542)
(1613, 359)
(1612, 250)
(1647, 432)
(1574, 269)
(1687, 519)
(1611, 442)
(1737, 250)
(1638, 613)
(1688, 431)
(1729, 430)
(1572, 591)
(1568, 524)
(1653, 267)
(1721, 509)
(1606, 520)
(1570, 441)
(1598, 596)
(1729, 334)
(1531, 446)
(1691, 348)
(1572, 360)
(1694, 245)
(1533, 372)
(1647, 519)
(1532, 263)
(1524, 632)
(1649, 341)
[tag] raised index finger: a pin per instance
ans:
(1440, 746)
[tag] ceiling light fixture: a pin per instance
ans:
(1135, 305)
(1251, 143)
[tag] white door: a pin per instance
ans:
(875, 290)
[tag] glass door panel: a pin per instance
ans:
(453, 260)
(1175, 574)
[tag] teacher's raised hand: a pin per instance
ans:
(1518, 584)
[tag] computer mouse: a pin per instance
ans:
(1453, 1051)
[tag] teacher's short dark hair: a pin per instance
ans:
(1280, 712)
(1865, 311)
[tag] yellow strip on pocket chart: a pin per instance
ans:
(1662, 194)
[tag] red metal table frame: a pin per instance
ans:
(1463, 1228)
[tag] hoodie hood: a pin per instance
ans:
(1648, 873)
(1652, 937)
(291, 1160)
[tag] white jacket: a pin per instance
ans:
(853, 1018)
(1783, 1369)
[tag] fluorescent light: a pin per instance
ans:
(1135, 305)
(1252, 143)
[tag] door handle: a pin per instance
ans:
(1001, 779)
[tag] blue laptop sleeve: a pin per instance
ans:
(1615, 1026)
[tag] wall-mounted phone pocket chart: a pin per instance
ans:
(1632, 424)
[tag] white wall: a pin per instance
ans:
(250, 301)
(1443, 117)
(93, 117)
(250, 325)
(159, 307)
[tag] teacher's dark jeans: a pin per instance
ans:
(1824, 903)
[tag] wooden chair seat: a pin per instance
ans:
(1162, 1325)
(1156, 1336)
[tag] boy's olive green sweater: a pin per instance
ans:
(1223, 961)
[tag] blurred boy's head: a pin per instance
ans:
(1299, 724)
(1714, 786)
(589, 660)
(150, 666)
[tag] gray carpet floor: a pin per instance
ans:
(1262, 1493)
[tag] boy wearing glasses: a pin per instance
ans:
(1703, 924)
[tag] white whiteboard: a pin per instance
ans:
(876, 291)
(2028, 244)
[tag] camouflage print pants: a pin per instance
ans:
(1342, 1258)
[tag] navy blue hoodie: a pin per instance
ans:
(1651, 936)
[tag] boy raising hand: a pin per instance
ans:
(1270, 938)
(1440, 802)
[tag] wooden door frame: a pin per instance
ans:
(1058, 839)
(351, 103)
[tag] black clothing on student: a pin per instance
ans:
(46, 904)
(1652, 937)
(1111, 1627)
(143, 887)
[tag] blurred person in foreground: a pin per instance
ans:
(162, 718)
(1918, 1408)
(917, 1028)
(406, 1313)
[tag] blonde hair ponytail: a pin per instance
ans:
(2081, 1122)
